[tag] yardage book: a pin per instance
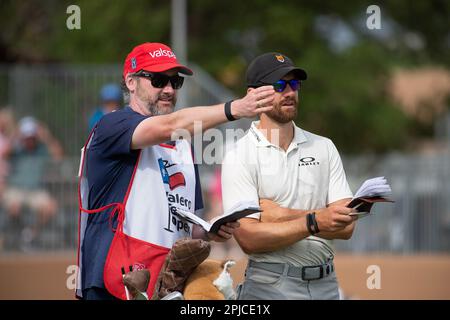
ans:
(238, 211)
(371, 191)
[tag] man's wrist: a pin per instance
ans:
(207, 237)
(229, 111)
(316, 226)
(234, 108)
(199, 233)
(311, 223)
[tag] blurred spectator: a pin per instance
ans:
(7, 127)
(224, 250)
(6, 134)
(31, 154)
(111, 99)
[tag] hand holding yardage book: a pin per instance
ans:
(238, 211)
(371, 191)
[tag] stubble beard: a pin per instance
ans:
(156, 110)
(283, 116)
(151, 102)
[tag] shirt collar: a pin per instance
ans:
(261, 140)
(299, 135)
(258, 136)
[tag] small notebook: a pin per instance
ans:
(238, 211)
(371, 191)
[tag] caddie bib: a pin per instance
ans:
(163, 179)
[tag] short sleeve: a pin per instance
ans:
(338, 187)
(113, 134)
(238, 184)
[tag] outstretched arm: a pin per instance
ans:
(158, 129)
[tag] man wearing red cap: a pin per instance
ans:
(133, 177)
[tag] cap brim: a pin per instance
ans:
(168, 66)
(280, 73)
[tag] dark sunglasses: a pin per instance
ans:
(280, 85)
(160, 80)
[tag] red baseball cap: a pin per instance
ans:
(153, 57)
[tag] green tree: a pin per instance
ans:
(344, 97)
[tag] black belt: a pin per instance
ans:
(305, 273)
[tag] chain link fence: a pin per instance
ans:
(64, 96)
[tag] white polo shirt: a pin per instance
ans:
(308, 176)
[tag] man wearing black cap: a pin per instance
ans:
(299, 180)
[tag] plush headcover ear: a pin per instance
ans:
(199, 286)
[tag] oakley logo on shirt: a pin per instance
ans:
(308, 161)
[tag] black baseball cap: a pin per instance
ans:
(270, 67)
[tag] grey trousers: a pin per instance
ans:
(266, 285)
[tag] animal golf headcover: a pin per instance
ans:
(136, 283)
(185, 255)
(211, 280)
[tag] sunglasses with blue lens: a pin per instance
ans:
(280, 85)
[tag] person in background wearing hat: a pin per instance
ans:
(138, 172)
(299, 180)
(111, 99)
(31, 155)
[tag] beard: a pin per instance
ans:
(159, 104)
(157, 109)
(281, 115)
